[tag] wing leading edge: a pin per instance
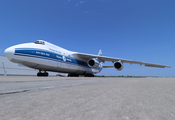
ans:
(86, 57)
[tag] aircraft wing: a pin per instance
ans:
(86, 57)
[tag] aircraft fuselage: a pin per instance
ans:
(49, 57)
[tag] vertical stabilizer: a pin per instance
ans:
(100, 53)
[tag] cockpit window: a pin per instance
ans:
(40, 42)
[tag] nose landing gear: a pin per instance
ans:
(42, 74)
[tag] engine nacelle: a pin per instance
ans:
(118, 65)
(93, 63)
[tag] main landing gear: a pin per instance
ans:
(75, 75)
(42, 74)
(89, 75)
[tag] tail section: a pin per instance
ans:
(100, 53)
(100, 66)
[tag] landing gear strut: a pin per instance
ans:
(42, 74)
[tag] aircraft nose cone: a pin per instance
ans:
(9, 52)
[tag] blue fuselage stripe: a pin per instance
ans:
(45, 54)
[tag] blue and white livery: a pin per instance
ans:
(45, 56)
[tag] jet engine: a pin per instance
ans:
(93, 63)
(118, 65)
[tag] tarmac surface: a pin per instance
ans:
(63, 98)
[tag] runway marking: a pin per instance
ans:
(14, 92)
(41, 88)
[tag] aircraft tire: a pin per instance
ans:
(39, 74)
(73, 75)
(89, 75)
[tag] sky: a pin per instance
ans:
(142, 30)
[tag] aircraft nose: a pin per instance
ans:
(9, 52)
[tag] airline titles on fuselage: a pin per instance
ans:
(59, 57)
(42, 53)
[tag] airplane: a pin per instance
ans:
(44, 56)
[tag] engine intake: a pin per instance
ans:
(118, 65)
(93, 63)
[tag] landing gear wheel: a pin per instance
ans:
(40, 74)
(73, 75)
(89, 75)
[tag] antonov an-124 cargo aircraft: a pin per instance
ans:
(45, 56)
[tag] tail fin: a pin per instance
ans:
(100, 53)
